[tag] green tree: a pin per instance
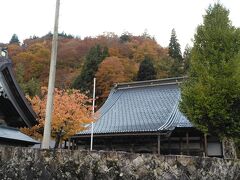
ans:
(175, 53)
(31, 87)
(95, 56)
(146, 70)
(211, 95)
(186, 59)
(125, 37)
(14, 39)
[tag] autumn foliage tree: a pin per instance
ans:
(94, 57)
(79, 59)
(70, 115)
(114, 70)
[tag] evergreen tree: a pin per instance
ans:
(174, 46)
(14, 39)
(32, 87)
(146, 70)
(94, 57)
(125, 37)
(211, 95)
(176, 55)
(186, 59)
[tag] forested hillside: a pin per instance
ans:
(108, 57)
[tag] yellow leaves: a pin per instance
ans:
(71, 112)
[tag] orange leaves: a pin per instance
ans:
(71, 112)
(34, 58)
(34, 55)
(146, 47)
(113, 70)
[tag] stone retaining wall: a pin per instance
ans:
(27, 163)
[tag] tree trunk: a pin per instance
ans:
(58, 138)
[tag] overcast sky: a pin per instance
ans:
(93, 17)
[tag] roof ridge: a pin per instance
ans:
(166, 81)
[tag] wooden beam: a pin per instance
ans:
(121, 134)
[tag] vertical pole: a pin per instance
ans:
(51, 82)
(159, 144)
(93, 106)
(187, 141)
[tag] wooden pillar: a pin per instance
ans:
(76, 146)
(72, 147)
(200, 143)
(159, 144)
(223, 149)
(205, 145)
(65, 144)
(180, 145)
(69, 143)
(111, 146)
(132, 148)
(187, 142)
(169, 145)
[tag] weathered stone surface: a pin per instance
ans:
(229, 149)
(26, 163)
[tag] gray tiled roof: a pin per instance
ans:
(141, 107)
(15, 134)
(10, 89)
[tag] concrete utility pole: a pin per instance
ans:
(51, 82)
(93, 109)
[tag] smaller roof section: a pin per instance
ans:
(13, 104)
(144, 106)
(14, 135)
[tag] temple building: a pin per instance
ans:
(15, 111)
(144, 117)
